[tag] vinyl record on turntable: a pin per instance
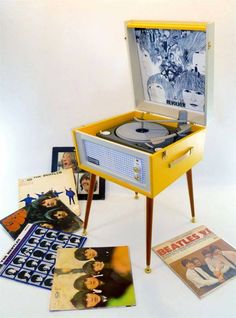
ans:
(141, 132)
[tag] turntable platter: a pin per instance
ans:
(141, 132)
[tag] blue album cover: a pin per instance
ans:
(32, 258)
(172, 66)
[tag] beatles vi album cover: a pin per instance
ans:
(200, 258)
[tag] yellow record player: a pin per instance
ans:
(147, 149)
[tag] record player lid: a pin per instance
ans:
(172, 67)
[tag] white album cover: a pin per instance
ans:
(62, 183)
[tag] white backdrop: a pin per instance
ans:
(64, 63)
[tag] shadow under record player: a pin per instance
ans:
(145, 135)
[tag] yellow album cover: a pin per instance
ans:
(92, 277)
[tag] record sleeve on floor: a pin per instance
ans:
(200, 258)
(48, 211)
(61, 183)
(32, 257)
(87, 278)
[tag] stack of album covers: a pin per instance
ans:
(86, 278)
(61, 183)
(48, 254)
(48, 211)
(32, 257)
(200, 258)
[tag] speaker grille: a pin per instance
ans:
(118, 163)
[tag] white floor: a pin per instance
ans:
(120, 220)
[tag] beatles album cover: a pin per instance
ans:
(64, 158)
(172, 66)
(86, 278)
(200, 258)
(32, 258)
(48, 211)
(61, 183)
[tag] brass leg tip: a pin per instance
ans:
(136, 195)
(194, 220)
(148, 270)
(85, 232)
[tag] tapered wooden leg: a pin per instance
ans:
(190, 191)
(89, 201)
(149, 215)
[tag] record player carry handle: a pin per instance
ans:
(176, 161)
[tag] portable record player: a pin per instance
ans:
(147, 149)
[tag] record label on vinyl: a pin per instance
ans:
(141, 131)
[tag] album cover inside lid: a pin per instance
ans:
(170, 66)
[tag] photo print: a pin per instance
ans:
(65, 158)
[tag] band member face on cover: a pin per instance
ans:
(11, 271)
(26, 251)
(49, 203)
(85, 282)
(47, 225)
(91, 282)
(197, 262)
(69, 161)
(148, 66)
(60, 214)
(207, 254)
(98, 266)
(170, 75)
(157, 93)
(18, 260)
(66, 160)
(85, 254)
(189, 264)
(90, 253)
(216, 251)
(159, 88)
(193, 99)
(190, 89)
(36, 278)
(92, 300)
(85, 182)
(93, 267)
(84, 299)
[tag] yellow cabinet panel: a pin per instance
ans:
(175, 160)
